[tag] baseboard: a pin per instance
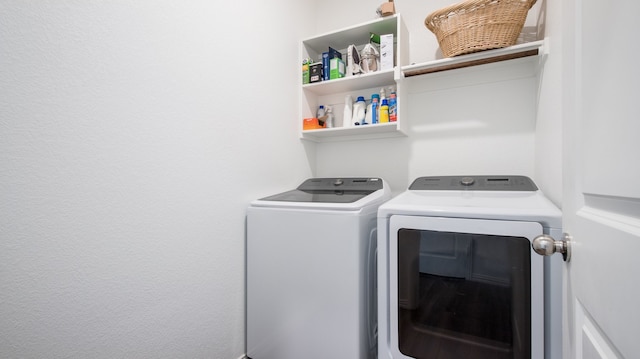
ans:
(243, 356)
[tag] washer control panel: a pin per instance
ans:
(342, 184)
(475, 183)
(330, 190)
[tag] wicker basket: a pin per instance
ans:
(477, 25)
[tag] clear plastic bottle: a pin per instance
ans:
(384, 111)
(329, 121)
(359, 111)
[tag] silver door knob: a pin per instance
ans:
(545, 245)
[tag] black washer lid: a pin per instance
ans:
(475, 183)
(330, 190)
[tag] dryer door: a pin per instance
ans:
(465, 288)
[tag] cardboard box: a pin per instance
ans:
(387, 9)
(325, 66)
(326, 62)
(333, 53)
(386, 52)
(305, 73)
(311, 124)
(336, 68)
(315, 72)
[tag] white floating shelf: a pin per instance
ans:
(478, 58)
(352, 83)
(380, 130)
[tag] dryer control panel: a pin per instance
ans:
(474, 183)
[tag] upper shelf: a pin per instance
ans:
(479, 58)
(342, 38)
(352, 83)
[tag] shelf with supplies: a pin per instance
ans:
(333, 92)
(380, 130)
(526, 59)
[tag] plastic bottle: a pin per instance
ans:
(375, 116)
(383, 95)
(329, 113)
(359, 110)
(330, 117)
(372, 109)
(348, 112)
(384, 111)
(393, 107)
(320, 115)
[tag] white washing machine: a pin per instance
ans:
(457, 275)
(311, 270)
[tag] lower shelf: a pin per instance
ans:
(381, 130)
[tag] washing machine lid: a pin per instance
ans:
(342, 193)
(330, 190)
(516, 198)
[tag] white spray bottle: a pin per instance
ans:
(348, 111)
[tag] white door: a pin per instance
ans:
(601, 205)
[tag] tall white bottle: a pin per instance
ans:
(348, 112)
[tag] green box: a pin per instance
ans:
(336, 68)
(305, 73)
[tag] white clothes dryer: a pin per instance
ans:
(457, 275)
(311, 270)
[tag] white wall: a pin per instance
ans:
(548, 126)
(132, 137)
(491, 128)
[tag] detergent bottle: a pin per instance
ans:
(359, 110)
(384, 111)
(393, 107)
(372, 109)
